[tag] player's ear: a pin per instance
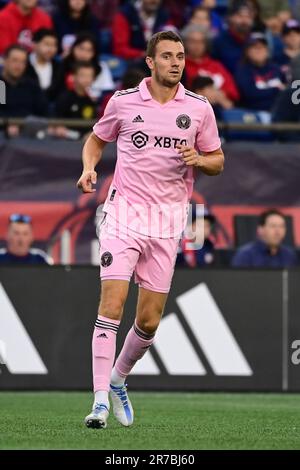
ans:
(149, 62)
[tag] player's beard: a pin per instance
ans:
(165, 82)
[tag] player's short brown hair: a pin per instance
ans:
(161, 36)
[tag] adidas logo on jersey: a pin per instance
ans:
(138, 119)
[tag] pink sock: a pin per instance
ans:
(104, 350)
(137, 342)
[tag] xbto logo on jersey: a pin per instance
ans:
(139, 139)
(168, 142)
(183, 121)
(106, 259)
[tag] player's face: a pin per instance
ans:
(47, 48)
(19, 238)
(168, 64)
(15, 64)
(274, 230)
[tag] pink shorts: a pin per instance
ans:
(151, 259)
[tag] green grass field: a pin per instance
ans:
(163, 421)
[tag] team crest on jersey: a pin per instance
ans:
(106, 259)
(183, 121)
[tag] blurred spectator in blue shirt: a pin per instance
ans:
(19, 240)
(267, 250)
(258, 79)
(197, 249)
(229, 45)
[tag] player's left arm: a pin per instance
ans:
(210, 163)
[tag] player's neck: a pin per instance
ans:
(161, 93)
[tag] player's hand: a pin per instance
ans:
(189, 155)
(86, 181)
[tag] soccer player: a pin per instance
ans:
(163, 133)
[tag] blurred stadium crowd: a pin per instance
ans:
(65, 58)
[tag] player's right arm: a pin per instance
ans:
(105, 130)
(91, 156)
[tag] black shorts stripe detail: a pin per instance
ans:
(141, 334)
(197, 97)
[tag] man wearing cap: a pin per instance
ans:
(291, 40)
(19, 240)
(259, 80)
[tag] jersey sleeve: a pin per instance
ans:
(207, 138)
(107, 128)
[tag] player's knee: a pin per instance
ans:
(111, 308)
(148, 323)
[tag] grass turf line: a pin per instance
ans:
(173, 421)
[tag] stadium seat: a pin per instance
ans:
(245, 116)
(245, 229)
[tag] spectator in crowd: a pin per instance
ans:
(205, 86)
(229, 45)
(274, 40)
(197, 249)
(267, 250)
(19, 240)
(104, 11)
(18, 21)
(74, 17)
(275, 13)
(201, 9)
(133, 26)
(291, 52)
(287, 109)
(23, 95)
(43, 66)
(201, 17)
(200, 63)
(85, 49)
(259, 80)
(49, 6)
(179, 11)
(77, 103)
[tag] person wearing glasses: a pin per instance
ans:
(19, 240)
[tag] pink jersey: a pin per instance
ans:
(150, 175)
